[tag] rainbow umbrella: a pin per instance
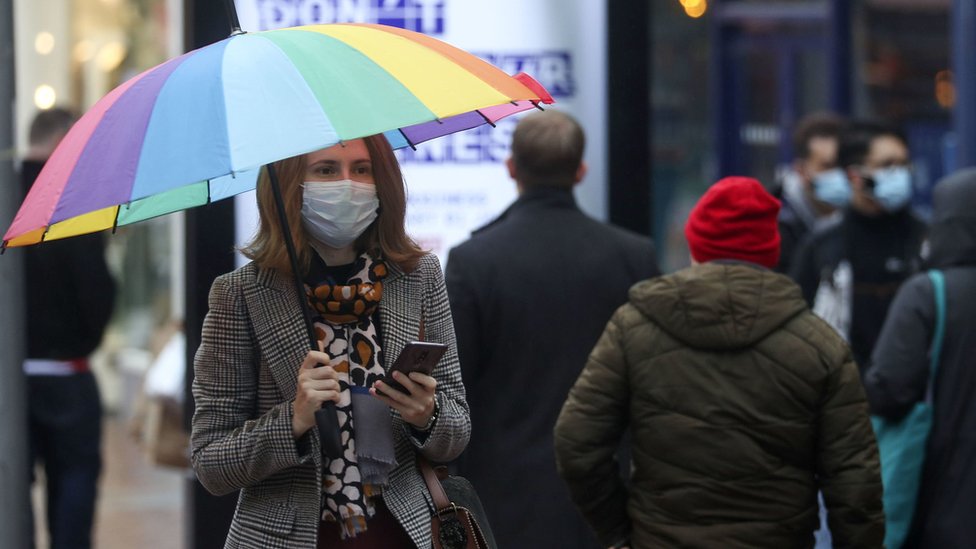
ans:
(198, 128)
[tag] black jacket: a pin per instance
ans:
(883, 251)
(531, 294)
(70, 293)
(899, 371)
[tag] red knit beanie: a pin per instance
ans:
(735, 219)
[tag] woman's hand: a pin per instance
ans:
(315, 386)
(417, 405)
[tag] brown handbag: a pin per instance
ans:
(455, 521)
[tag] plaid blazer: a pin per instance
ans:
(246, 368)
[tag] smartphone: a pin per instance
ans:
(417, 356)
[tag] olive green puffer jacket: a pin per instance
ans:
(741, 404)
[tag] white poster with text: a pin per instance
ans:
(458, 183)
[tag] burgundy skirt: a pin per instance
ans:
(383, 531)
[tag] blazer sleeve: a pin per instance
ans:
(588, 432)
(848, 466)
(231, 448)
(897, 376)
(450, 433)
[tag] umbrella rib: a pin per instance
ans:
(407, 139)
(488, 120)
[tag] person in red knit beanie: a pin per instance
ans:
(740, 403)
(735, 219)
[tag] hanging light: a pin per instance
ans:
(695, 8)
(45, 97)
(44, 43)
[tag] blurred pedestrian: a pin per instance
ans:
(70, 295)
(899, 373)
(850, 270)
(370, 290)
(741, 402)
(531, 292)
(815, 187)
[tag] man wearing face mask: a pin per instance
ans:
(850, 270)
(815, 187)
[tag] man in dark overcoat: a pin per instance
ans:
(530, 294)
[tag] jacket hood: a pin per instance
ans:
(952, 236)
(719, 305)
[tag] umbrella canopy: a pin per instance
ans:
(198, 128)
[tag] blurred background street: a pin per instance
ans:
(673, 94)
(140, 504)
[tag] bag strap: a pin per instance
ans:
(434, 486)
(938, 284)
(437, 493)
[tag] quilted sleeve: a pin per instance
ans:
(588, 433)
(849, 469)
(230, 448)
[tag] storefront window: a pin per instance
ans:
(904, 77)
(682, 149)
(70, 54)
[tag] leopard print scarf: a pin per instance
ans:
(344, 326)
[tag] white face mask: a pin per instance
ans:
(336, 212)
(832, 187)
(893, 187)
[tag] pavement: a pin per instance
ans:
(140, 504)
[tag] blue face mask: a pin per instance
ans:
(832, 187)
(893, 187)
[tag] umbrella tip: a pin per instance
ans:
(3, 247)
(236, 31)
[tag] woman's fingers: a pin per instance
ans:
(423, 380)
(319, 385)
(314, 358)
(415, 407)
(393, 394)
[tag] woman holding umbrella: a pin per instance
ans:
(370, 290)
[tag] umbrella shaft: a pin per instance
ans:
(326, 418)
(235, 23)
(296, 271)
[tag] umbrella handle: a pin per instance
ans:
(326, 418)
(327, 422)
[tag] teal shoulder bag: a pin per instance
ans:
(902, 443)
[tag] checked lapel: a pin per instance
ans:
(279, 327)
(399, 312)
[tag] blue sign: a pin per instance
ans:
(553, 69)
(476, 146)
(426, 16)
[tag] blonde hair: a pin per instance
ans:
(386, 237)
